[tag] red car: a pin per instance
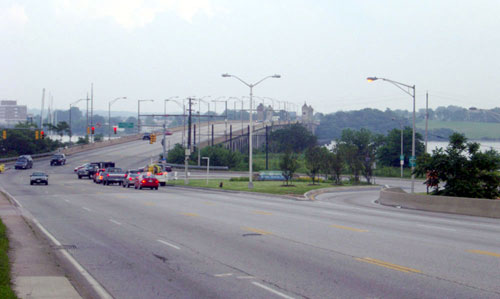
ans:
(168, 132)
(81, 166)
(146, 181)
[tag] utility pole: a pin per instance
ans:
(91, 110)
(426, 118)
(267, 148)
(188, 149)
(41, 111)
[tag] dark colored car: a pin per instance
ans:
(58, 159)
(87, 171)
(146, 181)
(39, 178)
(24, 162)
(129, 180)
(113, 175)
(146, 136)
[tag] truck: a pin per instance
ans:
(160, 171)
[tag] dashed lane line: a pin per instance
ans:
(223, 275)
(388, 265)
(271, 290)
(437, 227)
(115, 222)
(263, 213)
(87, 209)
(258, 231)
(484, 253)
(349, 228)
(168, 244)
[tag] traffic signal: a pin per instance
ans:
(4, 134)
(152, 138)
(114, 129)
(93, 130)
(88, 130)
(42, 134)
(36, 135)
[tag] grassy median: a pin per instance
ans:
(5, 283)
(272, 187)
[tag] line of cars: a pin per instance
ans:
(105, 173)
(38, 177)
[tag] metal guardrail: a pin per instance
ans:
(198, 167)
(34, 156)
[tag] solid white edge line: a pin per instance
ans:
(12, 197)
(168, 244)
(93, 283)
(86, 209)
(115, 222)
(271, 290)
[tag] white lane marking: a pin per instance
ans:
(66, 200)
(436, 227)
(93, 283)
(168, 244)
(223, 275)
(87, 209)
(271, 290)
(245, 277)
(115, 222)
(12, 197)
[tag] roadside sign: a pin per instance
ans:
(125, 125)
(413, 161)
(402, 157)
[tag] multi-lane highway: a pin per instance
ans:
(186, 243)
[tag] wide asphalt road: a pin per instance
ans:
(186, 243)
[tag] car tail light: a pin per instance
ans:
(100, 177)
(107, 174)
(129, 179)
(160, 173)
(125, 175)
(143, 181)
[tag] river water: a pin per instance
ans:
(432, 145)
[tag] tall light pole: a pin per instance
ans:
(410, 90)
(215, 109)
(199, 125)
(164, 141)
(70, 127)
(401, 161)
(109, 115)
(250, 154)
(139, 114)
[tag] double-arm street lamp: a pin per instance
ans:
(139, 113)
(164, 142)
(70, 127)
(250, 149)
(109, 115)
(410, 90)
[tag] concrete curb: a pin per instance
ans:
(479, 207)
(81, 280)
(311, 195)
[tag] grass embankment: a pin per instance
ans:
(271, 187)
(472, 130)
(5, 284)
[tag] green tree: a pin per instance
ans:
(314, 161)
(388, 154)
(359, 148)
(288, 165)
(464, 170)
(176, 154)
(61, 128)
(335, 162)
(295, 138)
(220, 156)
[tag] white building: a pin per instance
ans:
(11, 113)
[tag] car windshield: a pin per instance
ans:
(57, 156)
(38, 174)
(115, 170)
(134, 175)
(21, 159)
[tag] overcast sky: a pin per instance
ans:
(324, 50)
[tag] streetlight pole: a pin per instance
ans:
(199, 125)
(164, 141)
(208, 166)
(410, 90)
(70, 126)
(139, 114)
(250, 150)
(109, 115)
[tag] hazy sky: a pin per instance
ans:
(324, 50)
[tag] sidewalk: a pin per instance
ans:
(34, 270)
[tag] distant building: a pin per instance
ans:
(308, 117)
(11, 113)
